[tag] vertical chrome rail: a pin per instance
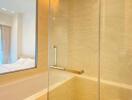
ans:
(55, 55)
(54, 66)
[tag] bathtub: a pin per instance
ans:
(82, 87)
(32, 88)
(24, 88)
(64, 86)
(56, 79)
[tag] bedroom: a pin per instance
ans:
(17, 36)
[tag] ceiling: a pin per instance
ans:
(18, 6)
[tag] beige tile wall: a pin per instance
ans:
(81, 88)
(85, 89)
(63, 92)
(75, 89)
(83, 36)
(110, 92)
(59, 30)
(74, 31)
(116, 39)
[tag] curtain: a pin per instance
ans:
(5, 35)
(1, 54)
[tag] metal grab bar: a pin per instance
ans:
(55, 55)
(68, 70)
(64, 69)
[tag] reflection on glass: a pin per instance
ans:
(1, 56)
(17, 35)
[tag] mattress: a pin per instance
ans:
(20, 64)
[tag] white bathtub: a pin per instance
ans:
(69, 86)
(63, 86)
(33, 87)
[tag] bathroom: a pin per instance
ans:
(81, 50)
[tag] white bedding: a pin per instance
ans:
(22, 63)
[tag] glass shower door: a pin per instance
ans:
(74, 50)
(116, 50)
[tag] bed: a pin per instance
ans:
(20, 64)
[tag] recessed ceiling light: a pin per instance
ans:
(4, 9)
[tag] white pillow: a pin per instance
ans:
(21, 61)
(29, 62)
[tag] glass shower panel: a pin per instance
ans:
(116, 50)
(73, 50)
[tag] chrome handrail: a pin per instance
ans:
(68, 70)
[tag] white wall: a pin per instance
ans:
(6, 19)
(14, 40)
(28, 35)
(22, 35)
(16, 45)
(11, 20)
